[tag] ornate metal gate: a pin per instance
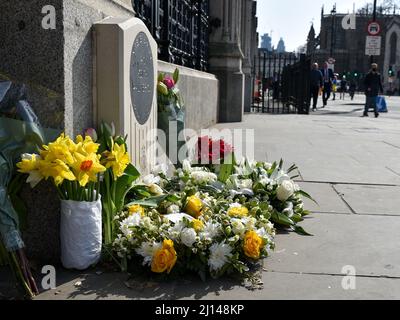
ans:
(283, 83)
(181, 29)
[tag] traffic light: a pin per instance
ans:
(391, 72)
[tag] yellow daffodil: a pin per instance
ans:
(86, 146)
(62, 149)
(136, 209)
(30, 165)
(117, 159)
(57, 170)
(86, 168)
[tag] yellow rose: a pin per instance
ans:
(136, 209)
(194, 206)
(165, 258)
(238, 212)
(198, 225)
(252, 245)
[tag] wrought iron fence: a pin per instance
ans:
(181, 29)
(283, 83)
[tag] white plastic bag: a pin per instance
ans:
(81, 234)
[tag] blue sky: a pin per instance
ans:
(291, 19)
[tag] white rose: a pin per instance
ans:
(156, 189)
(285, 190)
(188, 237)
(238, 227)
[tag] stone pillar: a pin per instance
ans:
(226, 57)
(249, 33)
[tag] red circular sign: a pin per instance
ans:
(374, 28)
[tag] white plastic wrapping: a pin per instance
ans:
(81, 234)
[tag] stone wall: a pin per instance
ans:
(57, 67)
(200, 93)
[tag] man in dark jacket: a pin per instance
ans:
(316, 83)
(373, 85)
(328, 76)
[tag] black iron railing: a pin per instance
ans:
(181, 29)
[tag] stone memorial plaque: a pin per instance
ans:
(142, 78)
(126, 82)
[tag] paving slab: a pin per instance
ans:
(285, 286)
(327, 198)
(370, 199)
(369, 243)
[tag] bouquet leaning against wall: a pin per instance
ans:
(171, 115)
(74, 167)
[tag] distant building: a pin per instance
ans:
(281, 46)
(266, 42)
(347, 47)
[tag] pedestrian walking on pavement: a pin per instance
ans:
(343, 88)
(328, 76)
(334, 86)
(373, 85)
(316, 84)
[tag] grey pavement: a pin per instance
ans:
(351, 166)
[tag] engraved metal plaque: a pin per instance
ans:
(142, 78)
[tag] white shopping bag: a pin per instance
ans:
(81, 234)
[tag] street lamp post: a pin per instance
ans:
(333, 16)
(374, 20)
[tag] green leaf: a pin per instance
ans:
(152, 202)
(162, 88)
(306, 195)
(161, 76)
(227, 168)
(297, 218)
(299, 230)
(124, 185)
(175, 76)
(281, 219)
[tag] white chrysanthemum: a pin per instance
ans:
(238, 227)
(176, 230)
(173, 209)
(201, 177)
(147, 251)
(285, 190)
(188, 237)
(219, 256)
(130, 222)
(210, 231)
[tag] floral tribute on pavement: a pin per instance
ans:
(211, 220)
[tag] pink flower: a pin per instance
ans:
(91, 133)
(169, 82)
